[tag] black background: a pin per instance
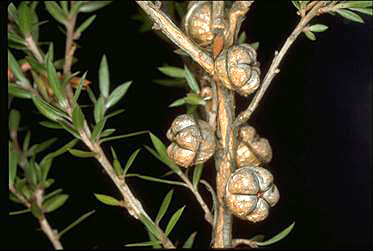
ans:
(316, 114)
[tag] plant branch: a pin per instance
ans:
(273, 69)
(132, 204)
(177, 36)
(44, 224)
(34, 49)
(236, 242)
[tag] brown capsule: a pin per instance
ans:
(250, 193)
(238, 69)
(252, 150)
(192, 140)
(197, 22)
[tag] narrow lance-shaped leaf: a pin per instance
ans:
(46, 109)
(318, 28)
(13, 159)
(172, 71)
(45, 167)
(363, 10)
(98, 129)
(41, 147)
(107, 132)
(194, 99)
(192, 82)
(18, 92)
(24, 19)
(52, 194)
(79, 89)
(177, 102)
(310, 35)
(78, 117)
(153, 239)
(143, 244)
(50, 124)
(197, 172)
(61, 150)
(16, 69)
(117, 94)
(350, 15)
(55, 84)
(99, 111)
(81, 154)
(164, 206)
(86, 24)
(14, 119)
(242, 38)
(156, 179)
(277, 237)
(112, 114)
(26, 141)
(255, 45)
(104, 79)
(108, 200)
(36, 210)
(174, 219)
(116, 163)
(55, 202)
(130, 161)
(180, 83)
(57, 13)
(122, 136)
(189, 242)
(76, 222)
(150, 226)
(93, 5)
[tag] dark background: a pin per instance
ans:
(316, 115)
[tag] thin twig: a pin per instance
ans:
(34, 49)
(177, 36)
(273, 69)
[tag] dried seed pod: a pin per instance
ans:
(192, 140)
(197, 22)
(252, 150)
(250, 193)
(238, 69)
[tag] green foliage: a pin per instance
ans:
(108, 200)
(164, 206)
(277, 237)
(82, 154)
(172, 71)
(130, 161)
(117, 94)
(192, 82)
(56, 12)
(174, 219)
(104, 79)
(197, 172)
(86, 24)
(189, 242)
(55, 202)
(76, 222)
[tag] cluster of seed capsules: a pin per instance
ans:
(249, 191)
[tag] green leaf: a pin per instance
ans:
(99, 111)
(104, 78)
(78, 117)
(357, 4)
(98, 129)
(57, 13)
(112, 114)
(310, 35)
(108, 200)
(156, 179)
(54, 82)
(14, 38)
(117, 94)
(177, 102)
(277, 237)
(242, 38)
(51, 194)
(45, 167)
(20, 212)
(30, 173)
(197, 172)
(47, 110)
(363, 10)
(81, 154)
(75, 8)
(14, 118)
(123, 136)
(130, 161)
(25, 19)
(36, 210)
(13, 160)
(350, 15)
(150, 226)
(176, 82)
(59, 63)
(48, 183)
(91, 95)
(255, 45)
(61, 150)
(86, 24)
(189, 242)
(12, 12)
(172, 71)
(257, 238)
(152, 238)
(143, 244)
(17, 91)
(117, 167)
(296, 4)
(318, 28)
(42, 146)
(79, 89)
(16, 69)
(192, 82)
(164, 206)
(65, 7)
(68, 127)
(174, 219)
(50, 124)
(26, 141)
(194, 99)
(76, 222)
(55, 202)
(93, 5)
(107, 132)
(162, 151)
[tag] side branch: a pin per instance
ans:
(273, 69)
(177, 36)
